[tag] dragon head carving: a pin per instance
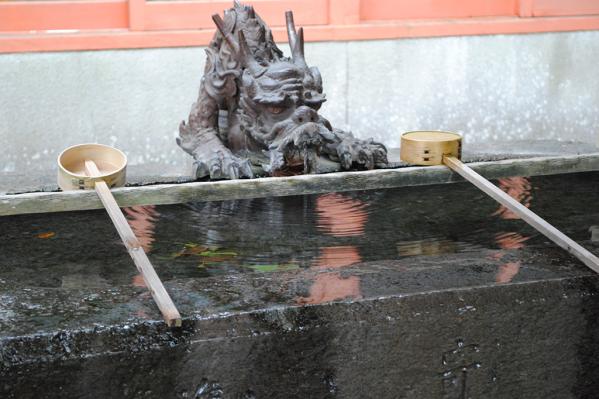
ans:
(272, 102)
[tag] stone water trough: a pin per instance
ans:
(378, 284)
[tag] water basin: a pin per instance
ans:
(70, 270)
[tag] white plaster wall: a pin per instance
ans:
(491, 88)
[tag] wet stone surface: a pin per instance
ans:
(70, 270)
(431, 291)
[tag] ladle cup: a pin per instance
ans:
(445, 148)
(100, 167)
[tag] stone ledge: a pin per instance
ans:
(162, 194)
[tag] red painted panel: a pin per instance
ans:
(344, 12)
(98, 40)
(61, 15)
(424, 9)
(196, 14)
(103, 24)
(565, 7)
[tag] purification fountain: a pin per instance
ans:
(382, 283)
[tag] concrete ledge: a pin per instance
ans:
(533, 340)
(283, 186)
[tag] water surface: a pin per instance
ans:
(71, 268)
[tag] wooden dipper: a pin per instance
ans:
(97, 166)
(445, 148)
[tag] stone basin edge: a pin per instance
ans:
(167, 194)
(138, 337)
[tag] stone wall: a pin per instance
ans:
(491, 88)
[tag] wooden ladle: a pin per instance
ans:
(100, 167)
(444, 148)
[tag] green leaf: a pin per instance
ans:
(275, 267)
(218, 253)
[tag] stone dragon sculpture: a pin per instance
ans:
(271, 104)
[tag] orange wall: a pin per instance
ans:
(425, 9)
(106, 24)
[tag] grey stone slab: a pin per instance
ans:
(400, 176)
(533, 340)
(142, 175)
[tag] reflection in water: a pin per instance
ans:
(426, 247)
(330, 287)
(338, 256)
(511, 240)
(224, 256)
(298, 249)
(330, 230)
(519, 189)
(340, 215)
(142, 220)
(138, 281)
(142, 314)
(507, 271)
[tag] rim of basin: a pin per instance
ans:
(104, 155)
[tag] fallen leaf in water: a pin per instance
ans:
(197, 246)
(190, 249)
(218, 253)
(49, 234)
(138, 281)
(214, 254)
(275, 267)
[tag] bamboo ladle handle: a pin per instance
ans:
(161, 297)
(526, 214)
